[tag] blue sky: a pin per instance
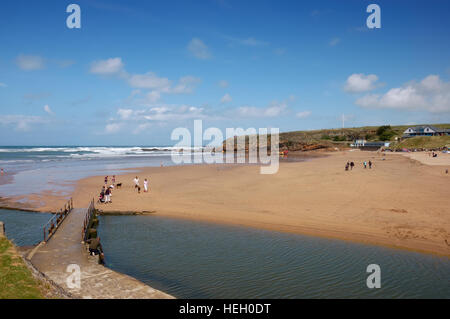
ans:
(138, 69)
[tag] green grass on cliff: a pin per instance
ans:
(347, 134)
(428, 142)
(16, 280)
(329, 138)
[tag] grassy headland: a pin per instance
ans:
(423, 142)
(16, 280)
(342, 138)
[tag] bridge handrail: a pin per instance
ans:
(87, 220)
(53, 224)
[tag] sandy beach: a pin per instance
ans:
(425, 158)
(400, 202)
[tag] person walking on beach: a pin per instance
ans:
(106, 180)
(2, 172)
(351, 165)
(346, 166)
(365, 164)
(136, 184)
(108, 195)
(114, 180)
(102, 195)
(145, 186)
(370, 164)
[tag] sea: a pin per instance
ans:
(36, 169)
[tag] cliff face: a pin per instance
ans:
(327, 138)
(286, 143)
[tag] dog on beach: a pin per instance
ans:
(118, 185)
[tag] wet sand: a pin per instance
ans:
(399, 203)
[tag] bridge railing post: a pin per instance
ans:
(53, 224)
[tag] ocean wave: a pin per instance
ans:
(11, 155)
(97, 150)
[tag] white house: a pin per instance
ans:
(425, 130)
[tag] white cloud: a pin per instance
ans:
(153, 97)
(141, 127)
(186, 84)
(167, 113)
(48, 110)
(303, 114)
(21, 122)
(223, 84)
(273, 110)
(113, 128)
(226, 98)
(431, 94)
(149, 81)
(358, 82)
(107, 67)
(252, 42)
(2, 85)
(158, 85)
(125, 113)
(335, 41)
(161, 113)
(30, 62)
(199, 49)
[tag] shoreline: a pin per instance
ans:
(202, 193)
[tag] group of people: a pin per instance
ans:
(352, 164)
(106, 192)
(137, 186)
(349, 165)
(365, 164)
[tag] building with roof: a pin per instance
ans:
(365, 145)
(425, 130)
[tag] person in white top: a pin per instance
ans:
(145, 185)
(136, 184)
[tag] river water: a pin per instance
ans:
(24, 228)
(202, 260)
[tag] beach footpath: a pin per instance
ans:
(65, 261)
